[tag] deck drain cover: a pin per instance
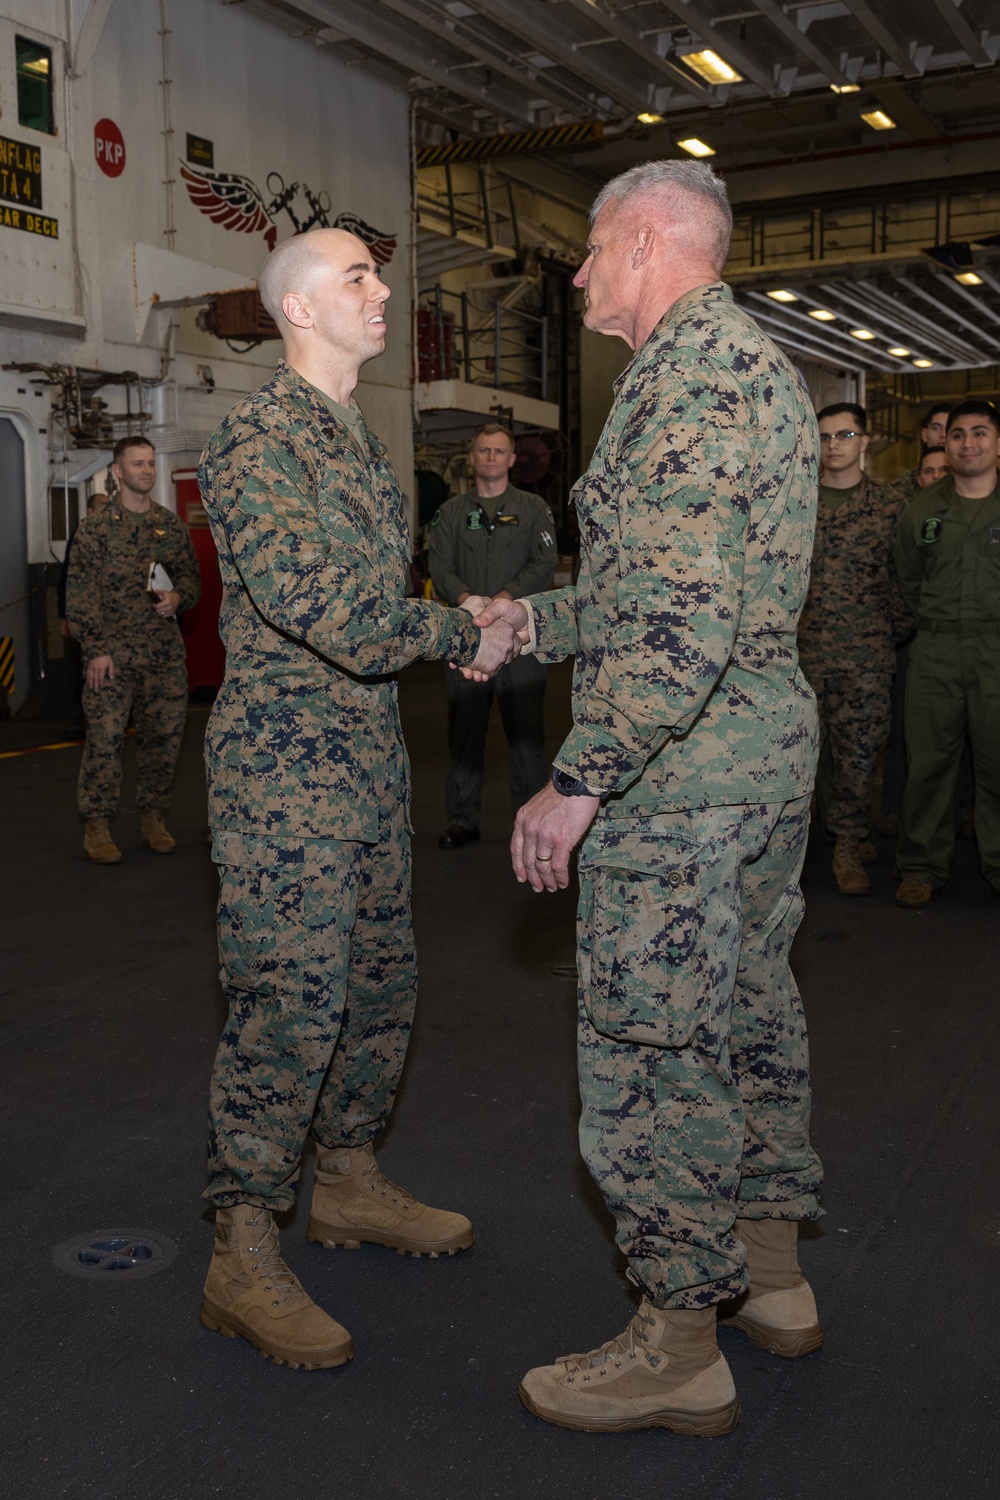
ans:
(115, 1254)
(563, 971)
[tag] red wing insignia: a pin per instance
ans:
(380, 243)
(227, 198)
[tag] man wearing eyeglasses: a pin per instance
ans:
(846, 636)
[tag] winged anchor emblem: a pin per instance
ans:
(236, 202)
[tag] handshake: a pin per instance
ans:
(505, 625)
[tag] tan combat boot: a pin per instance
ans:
(867, 853)
(778, 1313)
(155, 833)
(848, 871)
(353, 1203)
(251, 1292)
(98, 845)
(914, 892)
(665, 1370)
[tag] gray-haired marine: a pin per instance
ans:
(686, 781)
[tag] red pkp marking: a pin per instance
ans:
(109, 148)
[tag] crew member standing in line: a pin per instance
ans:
(132, 649)
(308, 802)
(948, 561)
(932, 467)
(687, 774)
(847, 631)
(496, 541)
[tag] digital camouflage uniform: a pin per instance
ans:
(850, 623)
(692, 718)
(948, 563)
(474, 553)
(309, 785)
(110, 612)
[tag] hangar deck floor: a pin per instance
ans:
(111, 1013)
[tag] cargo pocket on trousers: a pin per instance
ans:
(261, 951)
(647, 961)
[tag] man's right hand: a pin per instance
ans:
(504, 608)
(498, 645)
(99, 671)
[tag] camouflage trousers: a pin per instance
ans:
(854, 714)
(319, 968)
(157, 701)
(693, 1059)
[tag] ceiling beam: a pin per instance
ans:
(949, 12)
(534, 79)
(629, 36)
(534, 24)
(905, 323)
(904, 109)
(883, 38)
(345, 18)
(691, 14)
(949, 312)
(838, 340)
(800, 41)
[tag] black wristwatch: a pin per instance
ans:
(570, 786)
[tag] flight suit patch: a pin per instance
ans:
(995, 534)
(930, 531)
(508, 520)
(474, 521)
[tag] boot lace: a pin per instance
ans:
(374, 1180)
(267, 1263)
(613, 1354)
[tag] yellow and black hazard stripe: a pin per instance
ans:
(509, 143)
(7, 665)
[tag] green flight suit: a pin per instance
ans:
(948, 566)
(480, 547)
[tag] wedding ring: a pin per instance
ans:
(543, 859)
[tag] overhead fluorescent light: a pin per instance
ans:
(899, 351)
(878, 119)
(694, 147)
(710, 66)
(968, 278)
(822, 316)
(862, 333)
(648, 119)
(923, 364)
(845, 88)
(783, 296)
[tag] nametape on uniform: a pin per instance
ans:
(995, 533)
(159, 581)
(930, 531)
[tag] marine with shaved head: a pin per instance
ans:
(308, 796)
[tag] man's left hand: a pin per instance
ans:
(167, 604)
(546, 831)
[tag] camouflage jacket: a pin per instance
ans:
(516, 551)
(696, 520)
(948, 556)
(304, 738)
(109, 609)
(853, 613)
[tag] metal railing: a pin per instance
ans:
(506, 348)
